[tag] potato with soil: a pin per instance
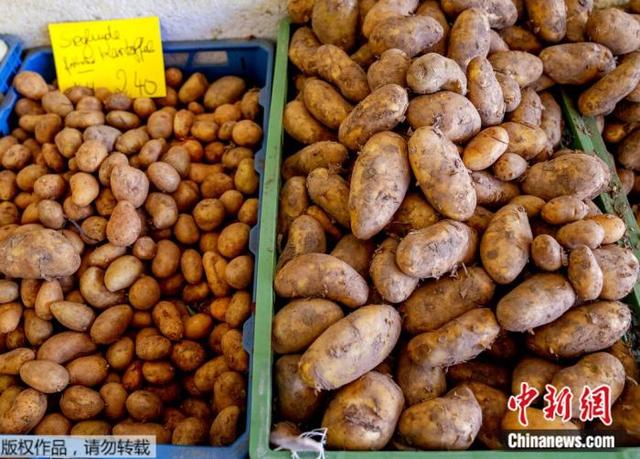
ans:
(577, 63)
(411, 34)
(450, 422)
(536, 420)
(297, 402)
(539, 300)
(24, 412)
(617, 30)
(349, 422)
(461, 339)
(469, 37)
(524, 67)
(439, 301)
(585, 274)
(419, 383)
(355, 252)
(385, 9)
(485, 92)
(382, 110)
(433, 72)
(564, 209)
(501, 13)
(535, 372)
(300, 322)
(327, 154)
(485, 148)
(504, 247)
(526, 140)
(583, 329)
(302, 126)
(493, 404)
(365, 338)
(435, 250)
(577, 174)
(394, 285)
(452, 114)
(325, 103)
(594, 370)
(306, 235)
(334, 22)
(441, 174)
(547, 254)
(302, 49)
(548, 19)
(379, 182)
(335, 66)
(620, 270)
(331, 192)
(391, 68)
(320, 275)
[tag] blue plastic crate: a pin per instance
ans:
(251, 60)
(9, 64)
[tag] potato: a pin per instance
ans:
(331, 192)
(80, 403)
(143, 405)
(296, 401)
(305, 236)
(490, 373)
(393, 284)
(382, 161)
(619, 271)
(504, 247)
(95, 292)
(581, 232)
(448, 238)
(24, 413)
(391, 68)
(548, 19)
(524, 67)
(529, 111)
(519, 38)
(122, 273)
(111, 324)
(124, 225)
(509, 167)
(44, 376)
(302, 50)
(142, 428)
(431, 153)
(547, 254)
(53, 424)
(30, 84)
(325, 103)
(469, 37)
(224, 429)
(432, 72)
(329, 274)
(323, 369)
(299, 10)
(419, 383)
(74, 316)
(12, 361)
(364, 432)
(233, 350)
(335, 66)
(578, 12)
(614, 228)
(577, 63)
(194, 88)
(189, 431)
(500, 13)
(534, 371)
(422, 425)
(602, 97)
(526, 140)
(535, 421)
(36, 329)
(384, 9)
(460, 339)
(214, 267)
(91, 428)
(585, 273)
(302, 126)
(411, 34)
(335, 22)
(591, 371)
(539, 300)
(294, 200)
(10, 315)
(583, 329)
(564, 209)
(485, 148)
(485, 92)
(87, 371)
(38, 254)
(320, 154)
(587, 178)
(624, 415)
(493, 403)
(167, 318)
(450, 112)
(602, 25)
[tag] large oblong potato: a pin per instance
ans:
(24, 412)
(335, 21)
(419, 383)
(433, 72)
(331, 192)
(504, 247)
(434, 250)
(384, 9)
(540, 299)
(582, 329)
(441, 300)
(577, 63)
(411, 34)
(501, 13)
(325, 103)
(335, 66)
(614, 28)
(394, 285)
(382, 110)
(351, 347)
(449, 112)
(526, 140)
(620, 269)
(379, 183)
(578, 174)
(524, 67)
(302, 126)
(485, 92)
(459, 340)
(469, 37)
(441, 174)
(300, 322)
(585, 274)
(593, 370)
(320, 154)
(548, 18)
(450, 422)
(302, 49)
(485, 148)
(351, 423)
(324, 276)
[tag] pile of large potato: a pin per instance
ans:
(439, 247)
(124, 231)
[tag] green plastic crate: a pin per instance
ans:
(262, 390)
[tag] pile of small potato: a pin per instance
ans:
(439, 246)
(124, 231)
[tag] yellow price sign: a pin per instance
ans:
(121, 55)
